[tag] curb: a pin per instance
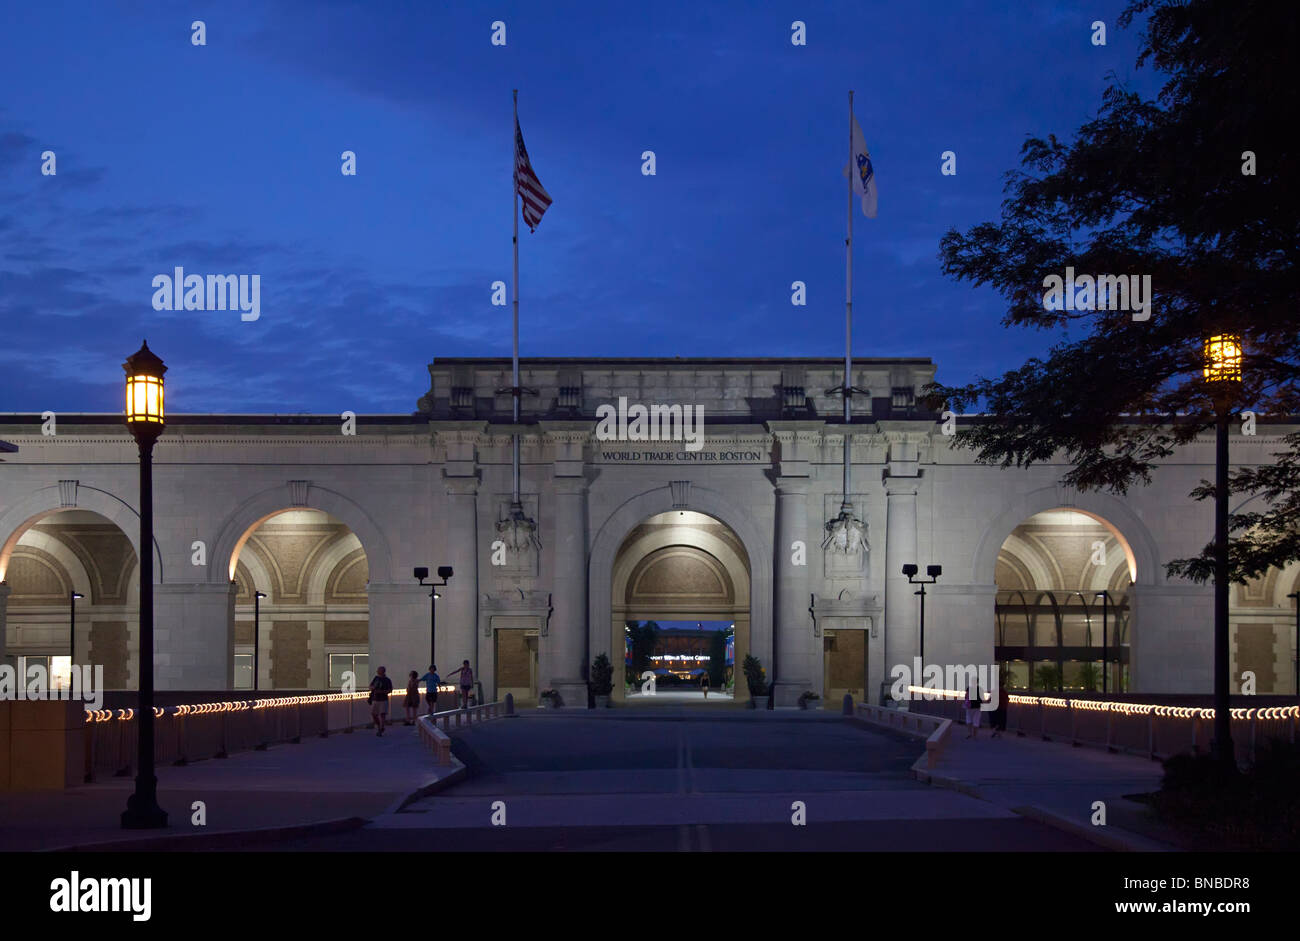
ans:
(225, 840)
(1111, 838)
(1107, 837)
(458, 773)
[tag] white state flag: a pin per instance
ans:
(864, 179)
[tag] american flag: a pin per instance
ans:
(536, 199)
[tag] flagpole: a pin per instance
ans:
(848, 315)
(514, 296)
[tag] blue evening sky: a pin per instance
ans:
(225, 159)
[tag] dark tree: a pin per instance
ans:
(1156, 187)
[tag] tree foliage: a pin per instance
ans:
(1156, 187)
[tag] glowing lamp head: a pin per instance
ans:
(1223, 358)
(144, 390)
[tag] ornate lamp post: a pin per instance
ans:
(144, 417)
(421, 573)
(257, 631)
(1222, 371)
(934, 571)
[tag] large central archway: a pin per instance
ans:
(747, 524)
(681, 566)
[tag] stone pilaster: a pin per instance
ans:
(194, 636)
(1171, 638)
(793, 636)
(564, 649)
(399, 628)
(901, 628)
(458, 606)
(960, 624)
(5, 591)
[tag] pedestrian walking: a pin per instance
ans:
(704, 684)
(412, 701)
(973, 711)
(431, 681)
(380, 687)
(466, 682)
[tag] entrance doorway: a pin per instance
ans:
(844, 665)
(516, 665)
(687, 574)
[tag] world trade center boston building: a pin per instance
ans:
(321, 520)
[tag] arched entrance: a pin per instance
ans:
(1062, 610)
(313, 624)
(51, 558)
(681, 566)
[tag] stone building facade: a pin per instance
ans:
(330, 526)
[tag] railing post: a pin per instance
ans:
(1042, 719)
(1151, 733)
(1069, 707)
(1254, 725)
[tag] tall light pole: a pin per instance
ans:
(934, 571)
(257, 630)
(72, 626)
(1296, 596)
(1222, 370)
(1105, 651)
(144, 417)
(421, 573)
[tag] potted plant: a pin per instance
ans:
(602, 680)
(549, 699)
(806, 697)
(756, 680)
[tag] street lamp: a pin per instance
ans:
(1296, 596)
(72, 626)
(257, 630)
(934, 571)
(1105, 651)
(421, 573)
(144, 418)
(1222, 371)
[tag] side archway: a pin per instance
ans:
(1109, 511)
(24, 515)
(237, 528)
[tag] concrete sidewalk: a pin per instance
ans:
(1056, 783)
(250, 797)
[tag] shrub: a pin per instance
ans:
(602, 676)
(755, 675)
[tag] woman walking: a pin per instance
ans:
(973, 711)
(704, 684)
(412, 701)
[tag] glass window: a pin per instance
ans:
(243, 671)
(356, 663)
